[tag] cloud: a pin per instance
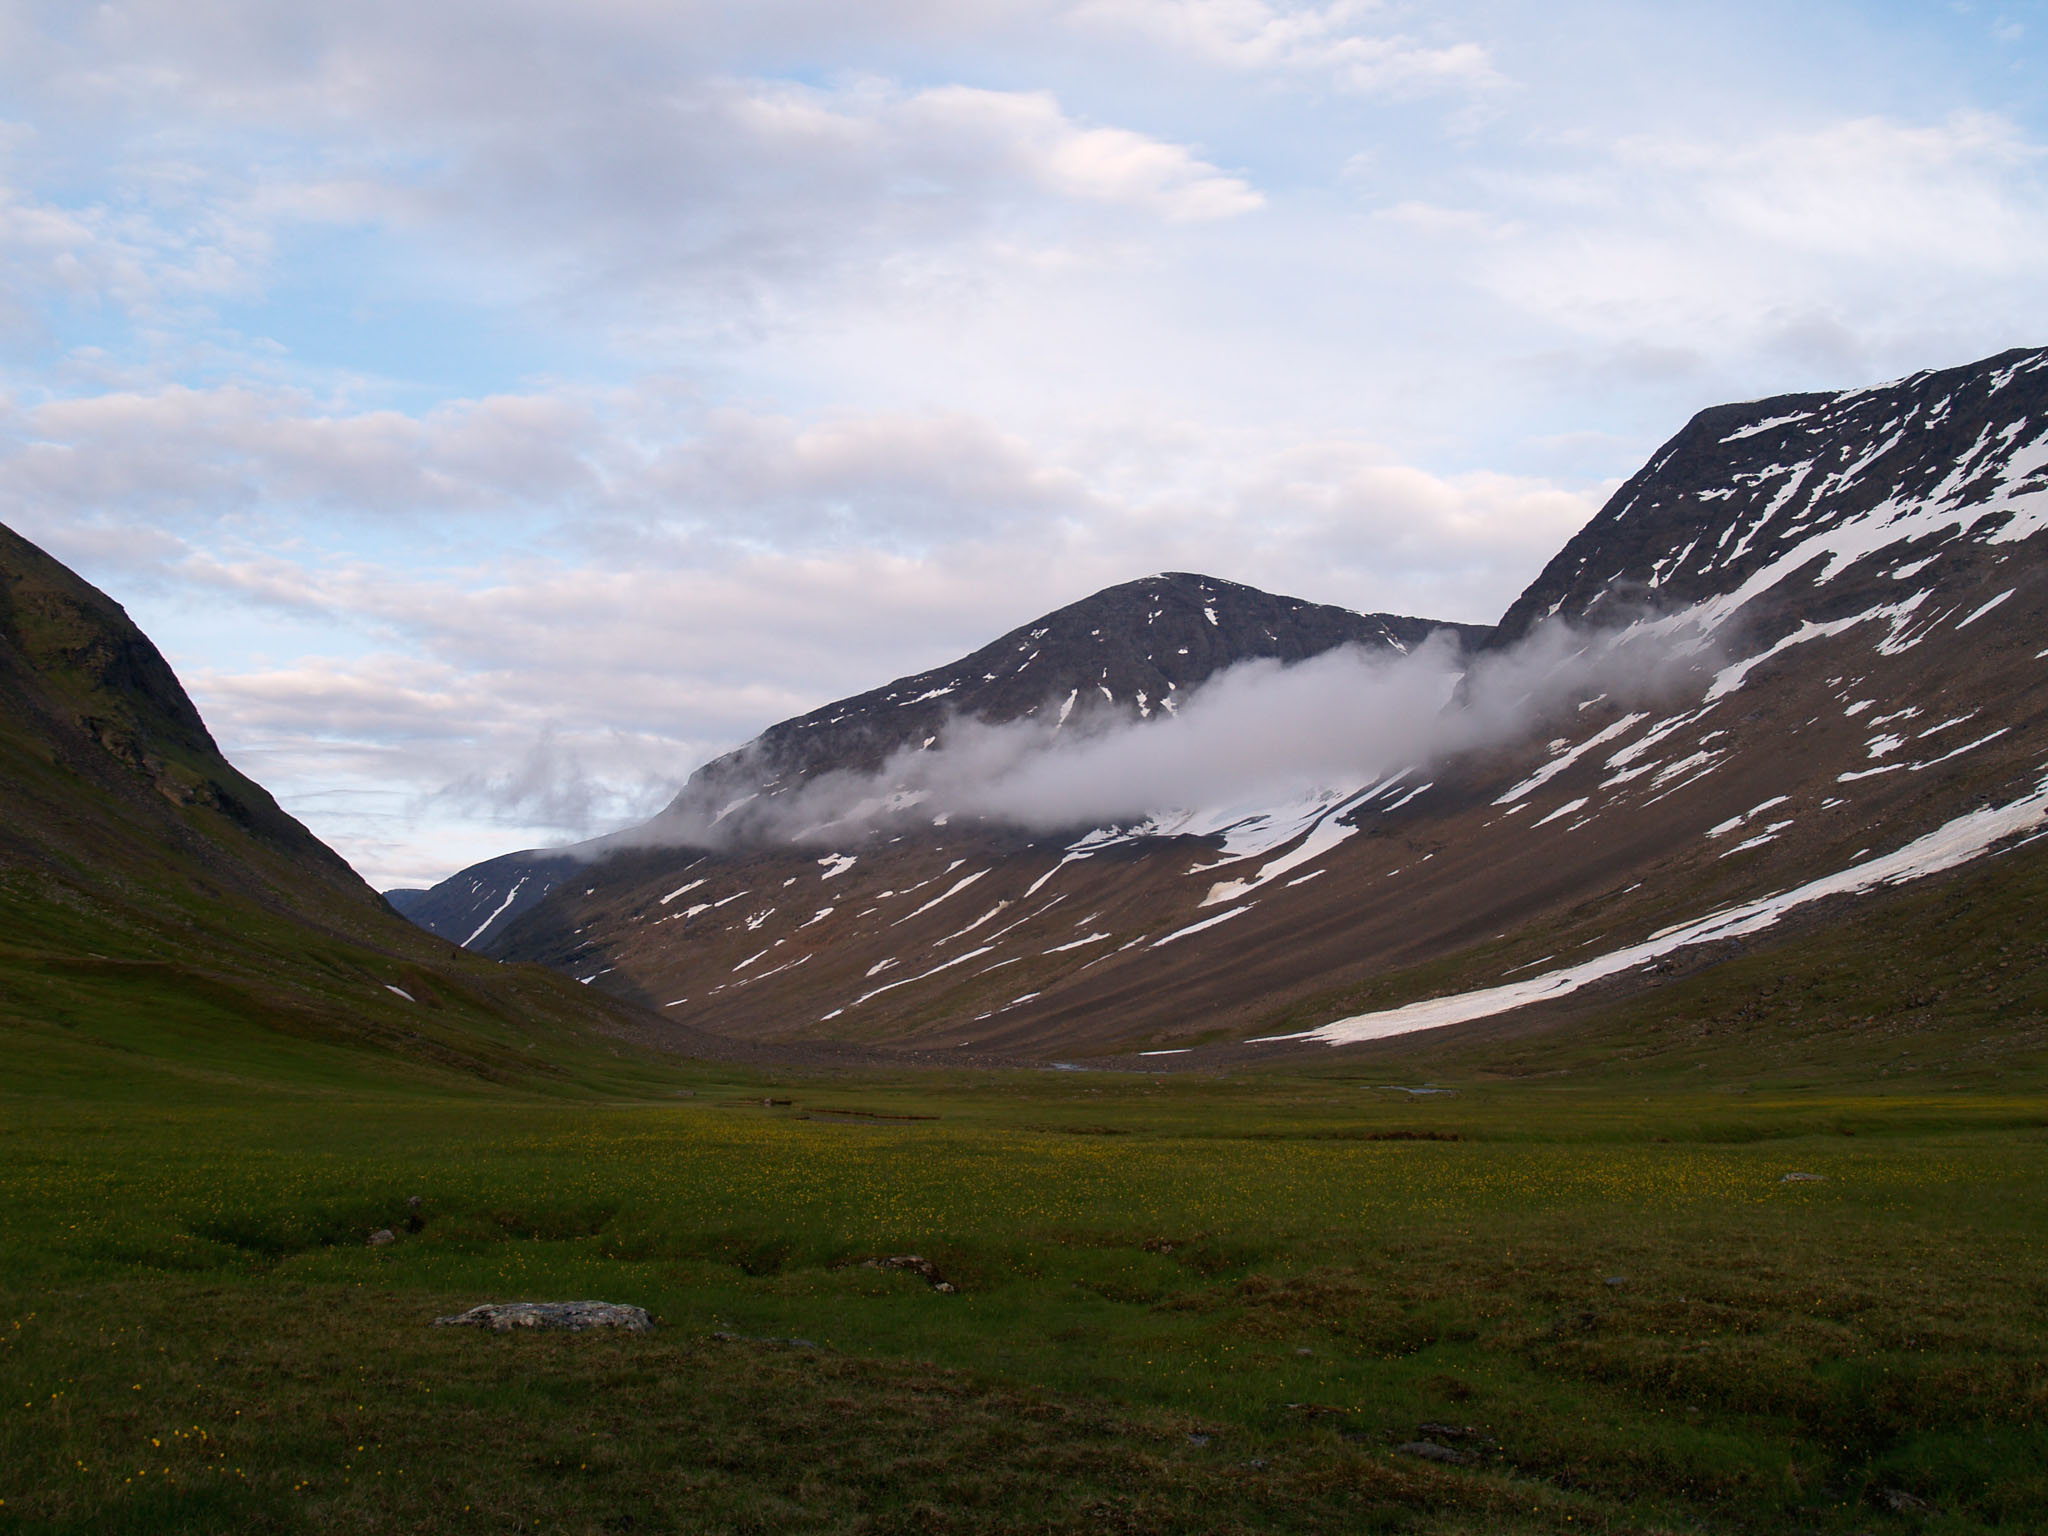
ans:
(458, 387)
(902, 477)
(754, 192)
(602, 162)
(208, 453)
(653, 484)
(685, 576)
(1823, 242)
(131, 261)
(1260, 734)
(1338, 42)
(411, 767)
(569, 785)
(972, 132)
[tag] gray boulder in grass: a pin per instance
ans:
(572, 1316)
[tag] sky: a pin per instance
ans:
(495, 408)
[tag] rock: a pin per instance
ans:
(1463, 1433)
(383, 1238)
(1429, 1450)
(916, 1266)
(1900, 1502)
(573, 1316)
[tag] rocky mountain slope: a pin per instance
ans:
(1131, 652)
(154, 899)
(1806, 661)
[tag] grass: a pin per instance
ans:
(1183, 1304)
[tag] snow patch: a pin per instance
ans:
(954, 890)
(1973, 618)
(1769, 834)
(1207, 922)
(510, 897)
(1093, 938)
(1733, 822)
(1557, 765)
(1955, 843)
(1765, 425)
(945, 965)
(1322, 837)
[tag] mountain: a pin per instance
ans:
(1795, 660)
(157, 905)
(1130, 652)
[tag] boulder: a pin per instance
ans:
(916, 1265)
(1429, 1450)
(572, 1316)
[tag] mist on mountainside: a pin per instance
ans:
(1258, 733)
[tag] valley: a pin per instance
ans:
(1798, 655)
(1745, 1282)
(1629, 1114)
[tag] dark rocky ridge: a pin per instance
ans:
(1744, 484)
(1132, 650)
(159, 909)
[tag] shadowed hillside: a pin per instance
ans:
(158, 909)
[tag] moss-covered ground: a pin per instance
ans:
(1757, 1250)
(1182, 1303)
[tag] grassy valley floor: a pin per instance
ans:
(1180, 1304)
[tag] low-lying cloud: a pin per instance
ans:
(1258, 734)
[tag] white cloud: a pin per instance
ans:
(1871, 226)
(1029, 131)
(208, 453)
(490, 393)
(668, 602)
(601, 161)
(1343, 42)
(129, 260)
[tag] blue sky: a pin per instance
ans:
(494, 409)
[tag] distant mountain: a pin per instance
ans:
(156, 903)
(1846, 594)
(1134, 650)
(1131, 652)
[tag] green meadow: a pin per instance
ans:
(1181, 1303)
(1756, 1250)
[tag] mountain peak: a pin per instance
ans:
(1744, 488)
(1133, 650)
(1130, 652)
